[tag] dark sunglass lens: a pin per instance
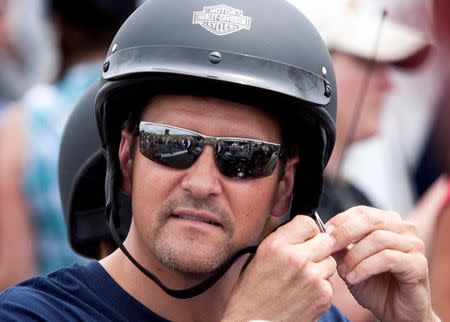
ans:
(246, 159)
(175, 151)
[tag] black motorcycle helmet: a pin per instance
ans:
(81, 175)
(236, 50)
(259, 52)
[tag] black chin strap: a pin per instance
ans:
(188, 292)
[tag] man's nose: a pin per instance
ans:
(202, 179)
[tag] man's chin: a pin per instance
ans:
(194, 267)
(191, 259)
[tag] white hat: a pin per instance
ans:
(349, 28)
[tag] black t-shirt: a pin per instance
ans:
(76, 293)
(82, 293)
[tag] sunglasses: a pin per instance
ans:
(179, 148)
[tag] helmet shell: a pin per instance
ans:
(81, 176)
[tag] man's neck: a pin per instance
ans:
(208, 306)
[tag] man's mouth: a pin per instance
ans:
(198, 218)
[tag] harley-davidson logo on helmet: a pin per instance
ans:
(221, 20)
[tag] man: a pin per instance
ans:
(210, 130)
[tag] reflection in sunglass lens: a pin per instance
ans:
(245, 159)
(179, 148)
(179, 152)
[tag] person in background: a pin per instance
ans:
(6, 92)
(361, 42)
(210, 131)
(32, 231)
(27, 50)
(434, 159)
(364, 45)
(382, 165)
(440, 260)
(440, 254)
(363, 63)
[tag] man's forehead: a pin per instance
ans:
(171, 103)
(211, 114)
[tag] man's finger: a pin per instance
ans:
(298, 230)
(407, 267)
(377, 241)
(315, 249)
(356, 223)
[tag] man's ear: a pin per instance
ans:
(125, 161)
(285, 189)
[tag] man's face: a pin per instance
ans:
(350, 76)
(192, 220)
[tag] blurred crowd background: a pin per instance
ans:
(45, 68)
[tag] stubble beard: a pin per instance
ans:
(189, 257)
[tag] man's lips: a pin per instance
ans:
(197, 216)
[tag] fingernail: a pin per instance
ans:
(329, 229)
(334, 240)
(351, 277)
(342, 269)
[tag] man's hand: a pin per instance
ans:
(382, 261)
(288, 279)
